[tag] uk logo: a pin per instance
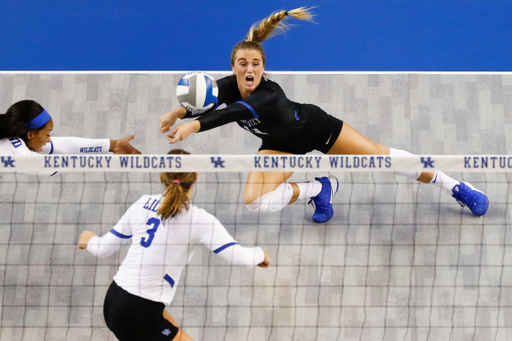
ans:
(218, 163)
(166, 332)
(427, 162)
(8, 161)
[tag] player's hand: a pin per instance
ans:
(181, 132)
(266, 261)
(84, 239)
(169, 119)
(123, 146)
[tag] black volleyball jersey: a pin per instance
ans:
(265, 113)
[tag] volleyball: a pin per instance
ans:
(197, 92)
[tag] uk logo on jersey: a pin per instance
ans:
(166, 332)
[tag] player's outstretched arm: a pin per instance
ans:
(123, 146)
(169, 119)
(102, 246)
(79, 145)
(212, 234)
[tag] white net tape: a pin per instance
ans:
(259, 163)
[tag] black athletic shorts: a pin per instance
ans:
(133, 318)
(320, 133)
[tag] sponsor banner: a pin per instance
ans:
(246, 163)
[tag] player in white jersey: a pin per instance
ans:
(164, 231)
(26, 126)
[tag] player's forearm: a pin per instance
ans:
(232, 113)
(104, 246)
(77, 145)
(179, 112)
(184, 113)
(242, 256)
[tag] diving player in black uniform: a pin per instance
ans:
(260, 106)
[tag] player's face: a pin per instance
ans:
(37, 139)
(248, 69)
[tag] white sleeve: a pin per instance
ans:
(211, 233)
(16, 146)
(123, 229)
(106, 245)
(113, 240)
(76, 145)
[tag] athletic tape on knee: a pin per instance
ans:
(399, 152)
(272, 201)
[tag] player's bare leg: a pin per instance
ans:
(261, 183)
(181, 336)
(269, 192)
(352, 142)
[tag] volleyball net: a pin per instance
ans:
(400, 260)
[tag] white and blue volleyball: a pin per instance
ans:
(197, 92)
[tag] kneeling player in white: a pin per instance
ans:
(26, 126)
(164, 231)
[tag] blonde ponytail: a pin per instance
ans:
(177, 186)
(269, 27)
(265, 28)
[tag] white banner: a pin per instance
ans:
(246, 163)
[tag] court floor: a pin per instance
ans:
(399, 260)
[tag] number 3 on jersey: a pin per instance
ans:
(151, 232)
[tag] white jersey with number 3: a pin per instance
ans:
(160, 250)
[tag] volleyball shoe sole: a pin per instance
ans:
(467, 195)
(323, 201)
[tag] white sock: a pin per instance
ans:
(308, 189)
(444, 181)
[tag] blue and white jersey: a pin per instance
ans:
(58, 145)
(160, 251)
(14, 146)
